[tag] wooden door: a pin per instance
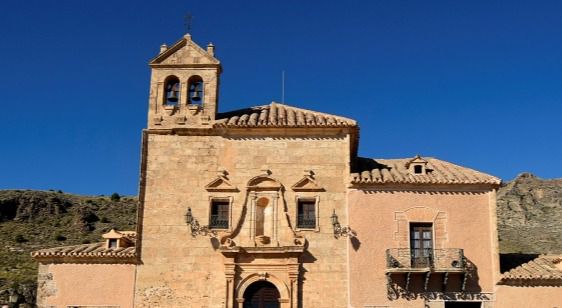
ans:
(261, 294)
(421, 244)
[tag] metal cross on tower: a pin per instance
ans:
(187, 22)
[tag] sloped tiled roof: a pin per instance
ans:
(544, 269)
(94, 250)
(396, 171)
(280, 115)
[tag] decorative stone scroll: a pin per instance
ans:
(180, 120)
(158, 120)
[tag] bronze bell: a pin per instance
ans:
(173, 93)
(196, 96)
(196, 91)
(172, 96)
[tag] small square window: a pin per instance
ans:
(219, 214)
(306, 217)
(418, 169)
(112, 243)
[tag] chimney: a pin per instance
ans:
(163, 48)
(211, 49)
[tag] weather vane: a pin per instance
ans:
(187, 22)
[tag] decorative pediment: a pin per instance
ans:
(221, 183)
(264, 182)
(418, 160)
(418, 166)
(307, 183)
(184, 52)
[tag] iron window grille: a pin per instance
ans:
(219, 214)
(306, 216)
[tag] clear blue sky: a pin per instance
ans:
(478, 83)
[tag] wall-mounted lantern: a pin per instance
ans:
(189, 216)
(196, 228)
(339, 230)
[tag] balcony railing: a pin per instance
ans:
(412, 259)
(218, 222)
(306, 222)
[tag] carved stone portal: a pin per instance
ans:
(277, 265)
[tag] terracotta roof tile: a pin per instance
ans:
(396, 171)
(545, 268)
(280, 115)
(95, 250)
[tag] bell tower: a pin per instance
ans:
(184, 86)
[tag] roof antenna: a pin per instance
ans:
(283, 87)
(187, 22)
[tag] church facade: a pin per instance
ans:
(270, 206)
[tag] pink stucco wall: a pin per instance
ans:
(467, 221)
(528, 297)
(63, 285)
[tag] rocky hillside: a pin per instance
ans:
(30, 220)
(530, 215)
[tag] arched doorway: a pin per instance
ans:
(261, 294)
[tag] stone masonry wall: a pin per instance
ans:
(184, 271)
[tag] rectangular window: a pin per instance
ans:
(219, 214)
(421, 244)
(113, 243)
(306, 218)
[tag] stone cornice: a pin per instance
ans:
(257, 132)
(423, 187)
(187, 65)
(283, 250)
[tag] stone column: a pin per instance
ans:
(252, 222)
(229, 272)
(274, 226)
(293, 270)
(184, 94)
(239, 303)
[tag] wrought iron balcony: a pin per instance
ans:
(423, 259)
(218, 222)
(306, 222)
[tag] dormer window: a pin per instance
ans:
(172, 91)
(116, 239)
(195, 85)
(417, 166)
